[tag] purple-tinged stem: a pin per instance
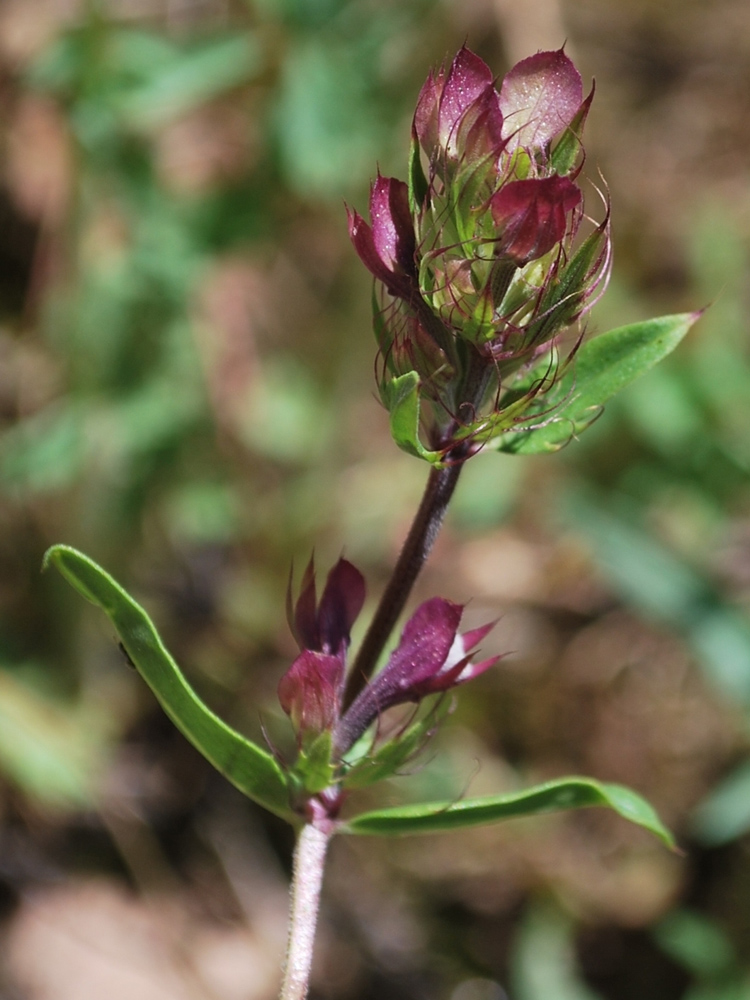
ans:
(417, 547)
(307, 878)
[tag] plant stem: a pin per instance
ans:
(307, 877)
(417, 547)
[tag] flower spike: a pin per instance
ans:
(474, 258)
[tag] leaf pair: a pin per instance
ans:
(257, 774)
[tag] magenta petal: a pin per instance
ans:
(472, 639)
(468, 77)
(421, 653)
(392, 228)
(532, 215)
(425, 124)
(361, 235)
(305, 624)
(480, 132)
(424, 646)
(472, 670)
(309, 692)
(539, 97)
(341, 603)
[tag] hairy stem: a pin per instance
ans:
(417, 547)
(307, 877)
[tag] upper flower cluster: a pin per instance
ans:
(431, 657)
(474, 257)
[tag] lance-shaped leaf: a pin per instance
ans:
(552, 796)
(246, 765)
(601, 368)
(401, 396)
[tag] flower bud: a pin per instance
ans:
(477, 272)
(310, 694)
(311, 690)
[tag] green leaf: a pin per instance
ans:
(401, 396)
(724, 815)
(564, 793)
(418, 186)
(251, 769)
(601, 368)
(569, 146)
(697, 943)
(564, 296)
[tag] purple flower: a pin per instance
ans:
(459, 111)
(540, 97)
(311, 690)
(387, 247)
(326, 626)
(431, 657)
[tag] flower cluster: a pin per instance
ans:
(478, 270)
(432, 656)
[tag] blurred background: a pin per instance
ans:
(186, 393)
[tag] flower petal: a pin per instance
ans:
(532, 215)
(425, 124)
(539, 97)
(309, 693)
(304, 622)
(423, 649)
(387, 247)
(480, 132)
(341, 603)
(361, 235)
(468, 77)
(392, 227)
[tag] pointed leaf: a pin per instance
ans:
(568, 148)
(564, 793)
(601, 368)
(401, 396)
(251, 769)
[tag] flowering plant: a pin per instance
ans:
(483, 265)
